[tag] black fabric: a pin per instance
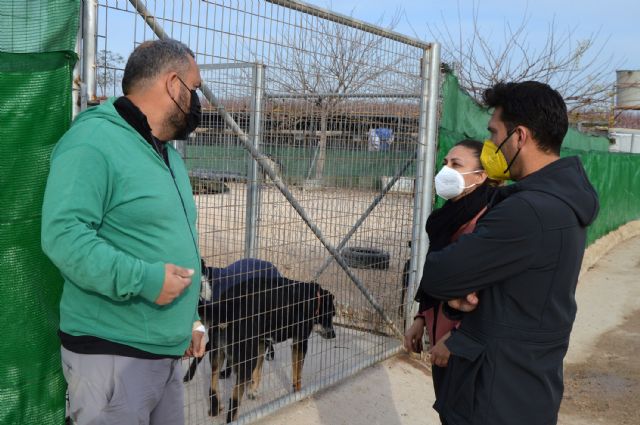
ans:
(437, 374)
(523, 260)
(444, 222)
(87, 344)
(136, 119)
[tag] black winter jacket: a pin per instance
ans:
(523, 259)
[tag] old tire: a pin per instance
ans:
(366, 258)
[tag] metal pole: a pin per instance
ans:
(76, 88)
(351, 22)
(427, 146)
(253, 188)
(277, 181)
(149, 19)
(89, 24)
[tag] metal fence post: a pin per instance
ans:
(89, 27)
(76, 88)
(425, 170)
(253, 188)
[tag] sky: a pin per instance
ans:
(615, 23)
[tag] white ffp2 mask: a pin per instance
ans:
(450, 183)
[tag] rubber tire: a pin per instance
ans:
(366, 258)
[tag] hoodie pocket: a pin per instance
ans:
(462, 380)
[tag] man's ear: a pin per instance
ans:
(524, 136)
(170, 83)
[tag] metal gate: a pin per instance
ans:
(316, 154)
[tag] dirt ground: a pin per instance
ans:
(606, 388)
(602, 373)
(602, 367)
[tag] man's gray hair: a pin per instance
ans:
(153, 58)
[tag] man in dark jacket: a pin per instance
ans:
(515, 276)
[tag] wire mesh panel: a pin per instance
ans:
(303, 172)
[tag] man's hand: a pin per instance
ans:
(176, 280)
(413, 336)
(466, 304)
(440, 353)
(197, 345)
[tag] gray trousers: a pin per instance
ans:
(117, 390)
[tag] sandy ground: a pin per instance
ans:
(602, 374)
(602, 368)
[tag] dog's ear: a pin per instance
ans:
(323, 292)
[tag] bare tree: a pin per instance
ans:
(324, 65)
(108, 72)
(579, 69)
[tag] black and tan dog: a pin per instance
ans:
(251, 314)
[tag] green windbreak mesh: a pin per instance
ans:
(35, 110)
(36, 38)
(616, 177)
(464, 117)
(363, 170)
(35, 26)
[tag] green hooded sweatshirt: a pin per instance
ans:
(113, 215)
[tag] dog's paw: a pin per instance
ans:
(213, 412)
(252, 393)
(215, 407)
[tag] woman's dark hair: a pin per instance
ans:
(473, 145)
(533, 105)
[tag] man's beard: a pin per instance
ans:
(177, 122)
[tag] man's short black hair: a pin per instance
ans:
(152, 58)
(533, 105)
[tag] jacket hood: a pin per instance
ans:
(107, 111)
(567, 180)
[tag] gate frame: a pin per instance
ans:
(425, 167)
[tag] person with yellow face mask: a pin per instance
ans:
(513, 279)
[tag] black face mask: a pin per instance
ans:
(192, 118)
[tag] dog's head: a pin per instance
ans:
(324, 311)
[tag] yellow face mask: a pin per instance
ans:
(494, 162)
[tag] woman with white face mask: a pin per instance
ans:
(464, 184)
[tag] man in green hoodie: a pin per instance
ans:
(119, 221)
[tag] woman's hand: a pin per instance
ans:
(413, 336)
(466, 304)
(440, 353)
